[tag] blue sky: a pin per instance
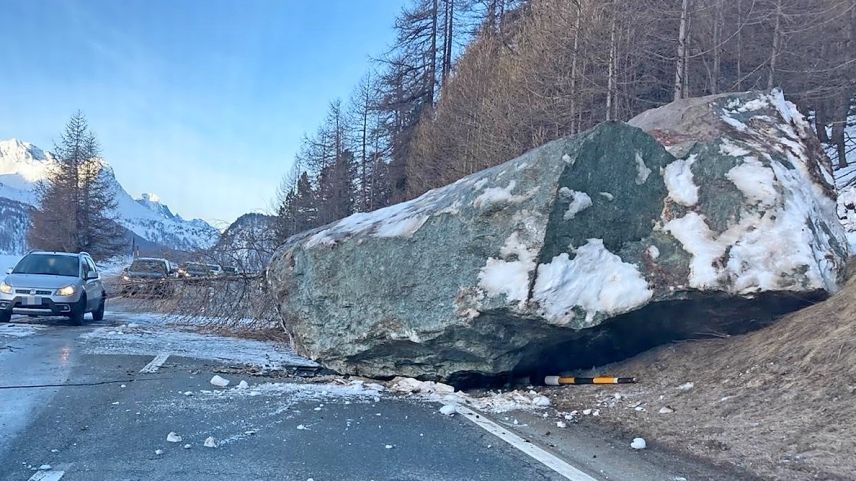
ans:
(201, 102)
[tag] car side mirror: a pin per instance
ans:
(91, 275)
(8, 271)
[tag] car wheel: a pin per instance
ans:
(78, 312)
(5, 316)
(98, 314)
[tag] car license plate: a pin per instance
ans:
(34, 301)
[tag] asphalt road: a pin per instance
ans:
(80, 415)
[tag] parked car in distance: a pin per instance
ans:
(147, 276)
(194, 270)
(215, 269)
(52, 284)
(230, 271)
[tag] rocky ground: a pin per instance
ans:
(779, 402)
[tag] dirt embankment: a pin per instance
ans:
(779, 402)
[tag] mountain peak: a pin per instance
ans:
(150, 197)
(23, 165)
(152, 202)
(24, 159)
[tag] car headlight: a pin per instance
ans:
(125, 277)
(65, 291)
(5, 288)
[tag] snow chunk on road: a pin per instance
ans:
(679, 181)
(448, 409)
(638, 443)
(296, 392)
(409, 385)
(595, 280)
(173, 438)
(496, 402)
(210, 442)
(219, 381)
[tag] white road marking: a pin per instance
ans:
(156, 363)
(545, 458)
(47, 476)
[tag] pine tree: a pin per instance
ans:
(77, 201)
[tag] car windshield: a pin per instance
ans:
(48, 264)
(148, 266)
(196, 267)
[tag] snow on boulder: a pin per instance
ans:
(706, 215)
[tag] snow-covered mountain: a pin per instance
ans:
(23, 165)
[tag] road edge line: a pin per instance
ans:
(547, 459)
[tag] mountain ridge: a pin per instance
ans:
(23, 165)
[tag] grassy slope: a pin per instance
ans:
(780, 402)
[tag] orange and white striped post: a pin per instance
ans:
(561, 380)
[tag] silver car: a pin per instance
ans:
(51, 284)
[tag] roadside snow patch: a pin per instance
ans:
(155, 338)
(19, 330)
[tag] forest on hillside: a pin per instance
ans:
(469, 84)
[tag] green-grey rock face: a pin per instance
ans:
(712, 215)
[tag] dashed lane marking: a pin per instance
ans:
(156, 363)
(545, 458)
(47, 476)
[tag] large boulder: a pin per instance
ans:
(704, 217)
